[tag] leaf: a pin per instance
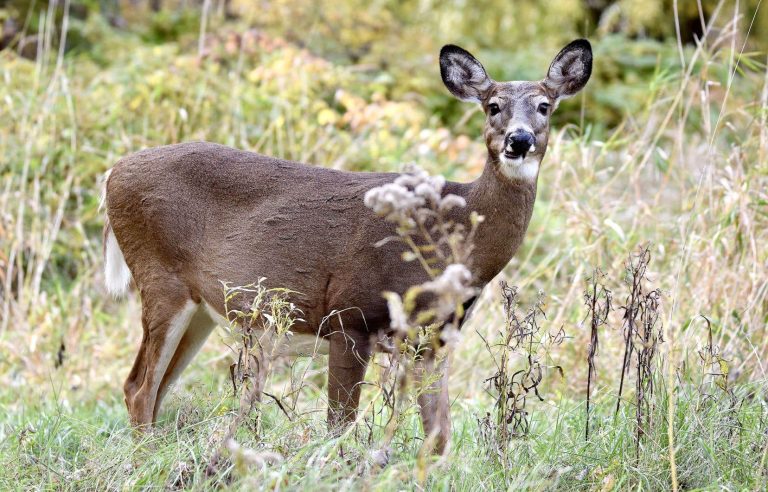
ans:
(616, 228)
(327, 117)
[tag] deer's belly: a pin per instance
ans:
(291, 343)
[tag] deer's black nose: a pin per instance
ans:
(518, 143)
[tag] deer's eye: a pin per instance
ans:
(544, 108)
(493, 108)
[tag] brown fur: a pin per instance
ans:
(189, 216)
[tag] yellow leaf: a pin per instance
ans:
(327, 117)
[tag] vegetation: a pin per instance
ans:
(662, 163)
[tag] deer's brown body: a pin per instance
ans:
(305, 228)
(187, 217)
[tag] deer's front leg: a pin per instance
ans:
(348, 358)
(433, 402)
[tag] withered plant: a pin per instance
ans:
(649, 335)
(260, 320)
(517, 352)
(598, 300)
(425, 319)
(642, 333)
(713, 365)
(714, 388)
(398, 391)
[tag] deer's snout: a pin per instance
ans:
(518, 143)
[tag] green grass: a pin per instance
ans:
(86, 445)
(652, 154)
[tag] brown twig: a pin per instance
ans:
(598, 300)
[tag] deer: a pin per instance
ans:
(183, 218)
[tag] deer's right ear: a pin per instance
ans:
(462, 74)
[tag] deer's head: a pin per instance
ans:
(517, 113)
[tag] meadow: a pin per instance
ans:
(661, 162)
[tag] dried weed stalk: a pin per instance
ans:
(715, 368)
(415, 203)
(649, 336)
(715, 371)
(598, 301)
(260, 320)
(521, 339)
(398, 391)
(425, 319)
(642, 332)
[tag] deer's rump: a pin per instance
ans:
(206, 214)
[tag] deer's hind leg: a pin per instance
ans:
(199, 328)
(166, 314)
(136, 376)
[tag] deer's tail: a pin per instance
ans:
(117, 276)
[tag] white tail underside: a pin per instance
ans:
(117, 276)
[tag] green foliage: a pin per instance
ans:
(171, 25)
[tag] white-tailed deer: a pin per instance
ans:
(183, 218)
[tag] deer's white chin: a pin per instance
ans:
(520, 168)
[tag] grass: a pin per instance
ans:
(685, 172)
(86, 445)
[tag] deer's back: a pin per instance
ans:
(213, 214)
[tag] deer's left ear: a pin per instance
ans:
(570, 70)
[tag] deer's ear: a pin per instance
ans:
(570, 70)
(462, 74)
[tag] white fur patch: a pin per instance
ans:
(117, 276)
(199, 328)
(176, 329)
(294, 344)
(524, 169)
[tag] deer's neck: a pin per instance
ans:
(507, 206)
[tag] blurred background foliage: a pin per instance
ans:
(395, 43)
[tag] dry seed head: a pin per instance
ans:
(451, 288)
(415, 194)
(454, 282)
(397, 315)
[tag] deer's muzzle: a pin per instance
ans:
(518, 143)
